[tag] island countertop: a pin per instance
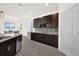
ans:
(8, 38)
(10, 45)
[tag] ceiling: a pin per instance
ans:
(25, 10)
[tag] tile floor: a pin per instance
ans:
(33, 48)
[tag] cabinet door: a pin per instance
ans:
(44, 38)
(53, 40)
(3, 50)
(8, 48)
(11, 49)
(34, 23)
(35, 36)
(37, 23)
(55, 20)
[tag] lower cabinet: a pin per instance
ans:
(3, 50)
(11, 46)
(51, 40)
(8, 48)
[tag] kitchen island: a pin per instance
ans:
(10, 45)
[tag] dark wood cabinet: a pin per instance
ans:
(51, 40)
(55, 20)
(9, 47)
(36, 22)
(3, 50)
(49, 21)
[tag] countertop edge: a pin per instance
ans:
(9, 38)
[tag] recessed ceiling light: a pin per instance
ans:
(46, 4)
(19, 4)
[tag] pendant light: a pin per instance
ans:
(1, 14)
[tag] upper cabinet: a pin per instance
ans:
(49, 21)
(54, 20)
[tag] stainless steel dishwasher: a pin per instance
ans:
(18, 44)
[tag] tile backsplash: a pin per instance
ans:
(45, 30)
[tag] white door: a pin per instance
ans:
(75, 37)
(66, 32)
(75, 12)
(70, 31)
(66, 44)
(66, 22)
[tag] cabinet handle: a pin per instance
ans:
(9, 48)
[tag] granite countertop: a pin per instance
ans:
(8, 38)
(51, 33)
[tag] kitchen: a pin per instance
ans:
(39, 29)
(22, 22)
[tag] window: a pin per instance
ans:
(9, 25)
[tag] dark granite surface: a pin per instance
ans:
(5, 38)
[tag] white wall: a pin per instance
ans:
(1, 26)
(11, 19)
(65, 6)
(26, 26)
(29, 11)
(69, 29)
